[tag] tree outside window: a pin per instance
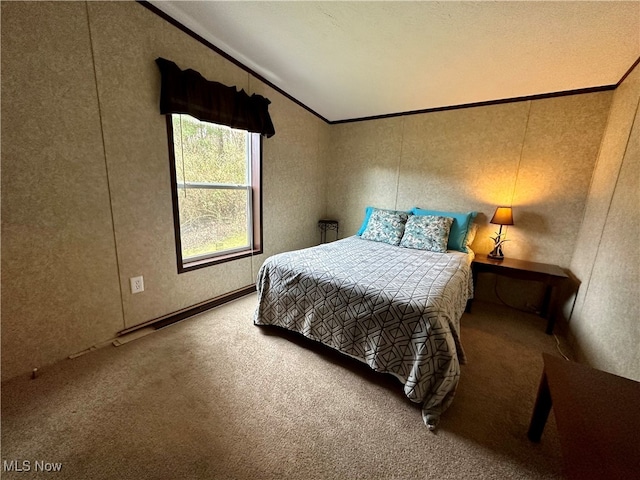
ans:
(216, 191)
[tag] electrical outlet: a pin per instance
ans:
(532, 308)
(137, 284)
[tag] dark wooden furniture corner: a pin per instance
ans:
(597, 417)
(551, 275)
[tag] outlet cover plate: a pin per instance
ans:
(137, 284)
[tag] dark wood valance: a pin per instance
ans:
(186, 91)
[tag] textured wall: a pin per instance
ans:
(79, 216)
(293, 177)
(126, 41)
(362, 169)
(537, 155)
(60, 291)
(605, 322)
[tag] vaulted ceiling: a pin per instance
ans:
(347, 60)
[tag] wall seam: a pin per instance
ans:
(606, 218)
(251, 262)
(322, 154)
(584, 212)
(524, 140)
(595, 167)
(395, 204)
(106, 165)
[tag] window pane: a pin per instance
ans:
(205, 152)
(216, 192)
(212, 220)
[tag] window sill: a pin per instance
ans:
(207, 262)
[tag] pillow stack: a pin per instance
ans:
(432, 230)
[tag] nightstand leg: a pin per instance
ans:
(547, 311)
(550, 323)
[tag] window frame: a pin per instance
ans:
(255, 176)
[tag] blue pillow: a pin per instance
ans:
(459, 228)
(367, 216)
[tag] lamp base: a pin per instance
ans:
(496, 253)
(495, 256)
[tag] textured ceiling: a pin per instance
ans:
(347, 60)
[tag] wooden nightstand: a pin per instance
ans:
(551, 275)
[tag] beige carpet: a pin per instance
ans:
(217, 397)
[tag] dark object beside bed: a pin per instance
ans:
(396, 309)
(597, 419)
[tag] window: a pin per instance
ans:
(215, 147)
(215, 174)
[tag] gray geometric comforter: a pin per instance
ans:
(396, 309)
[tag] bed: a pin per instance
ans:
(397, 309)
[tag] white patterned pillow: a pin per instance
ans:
(427, 233)
(385, 226)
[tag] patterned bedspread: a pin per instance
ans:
(396, 309)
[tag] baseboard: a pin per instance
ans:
(174, 317)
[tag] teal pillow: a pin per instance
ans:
(459, 228)
(367, 216)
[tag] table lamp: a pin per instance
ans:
(502, 216)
